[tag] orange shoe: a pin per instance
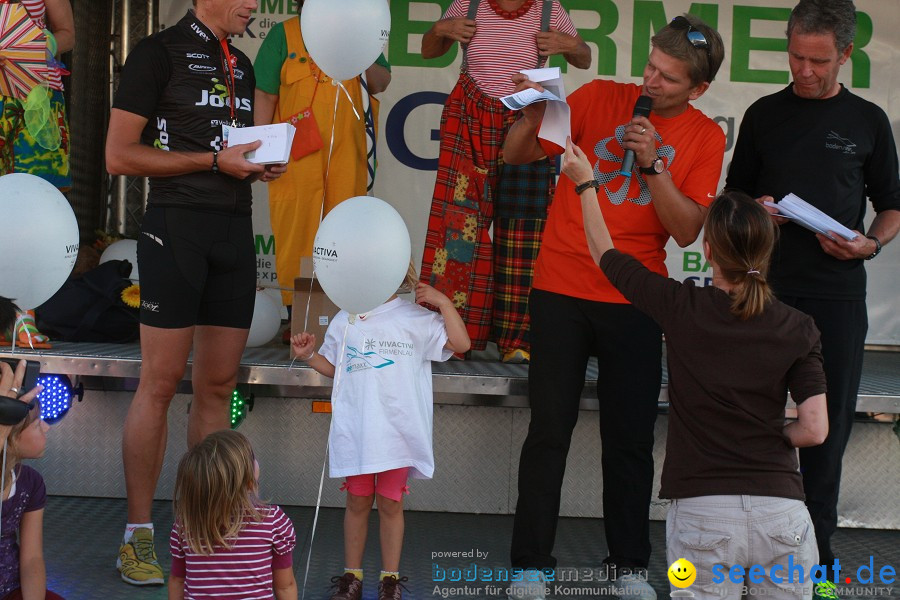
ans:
(516, 356)
(27, 334)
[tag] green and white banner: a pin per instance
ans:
(618, 32)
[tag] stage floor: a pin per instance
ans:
(82, 535)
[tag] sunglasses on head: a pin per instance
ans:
(695, 37)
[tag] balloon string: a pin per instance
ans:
(334, 389)
(328, 162)
(312, 281)
(322, 205)
(312, 533)
(340, 84)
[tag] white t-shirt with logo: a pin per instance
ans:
(382, 402)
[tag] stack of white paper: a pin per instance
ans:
(805, 214)
(276, 142)
(556, 126)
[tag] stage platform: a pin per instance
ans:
(481, 418)
(472, 382)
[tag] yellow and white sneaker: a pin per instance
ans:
(137, 560)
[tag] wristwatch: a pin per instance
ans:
(877, 247)
(655, 168)
(582, 187)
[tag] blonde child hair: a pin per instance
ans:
(410, 281)
(215, 489)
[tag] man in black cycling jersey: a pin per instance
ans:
(179, 92)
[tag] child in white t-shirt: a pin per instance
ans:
(382, 416)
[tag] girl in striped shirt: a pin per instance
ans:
(225, 542)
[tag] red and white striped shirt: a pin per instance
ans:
(37, 10)
(243, 572)
(502, 47)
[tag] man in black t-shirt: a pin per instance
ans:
(833, 149)
(179, 92)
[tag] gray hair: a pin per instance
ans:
(837, 17)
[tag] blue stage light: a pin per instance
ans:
(57, 396)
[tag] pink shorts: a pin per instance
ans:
(390, 484)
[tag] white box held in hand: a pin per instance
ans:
(276, 142)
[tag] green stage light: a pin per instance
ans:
(240, 406)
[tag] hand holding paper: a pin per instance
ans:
(276, 142)
(806, 215)
(556, 125)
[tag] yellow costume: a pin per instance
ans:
(296, 198)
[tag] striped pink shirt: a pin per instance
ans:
(503, 47)
(245, 571)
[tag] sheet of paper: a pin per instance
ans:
(276, 142)
(520, 100)
(557, 125)
(810, 217)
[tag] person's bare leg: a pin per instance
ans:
(356, 526)
(390, 517)
(217, 356)
(164, 355)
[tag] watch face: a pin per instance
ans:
(658, 165)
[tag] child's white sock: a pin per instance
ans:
(130, 527)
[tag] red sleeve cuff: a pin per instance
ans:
(283, 561)
(178, 569)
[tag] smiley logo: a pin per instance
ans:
(682, 573)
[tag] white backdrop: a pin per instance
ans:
(618, 32)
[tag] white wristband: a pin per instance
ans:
(308, 358)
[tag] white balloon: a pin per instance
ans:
(344, 37)
(39, 237)
(123, 250)
(266, 320)
(361, 253)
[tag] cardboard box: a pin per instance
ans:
(321, 309)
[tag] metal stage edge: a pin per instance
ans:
(117, 367)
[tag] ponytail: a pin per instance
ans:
(750, 297)
(741, 236)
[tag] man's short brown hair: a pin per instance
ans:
(703, 63)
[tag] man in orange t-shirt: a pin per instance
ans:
(575, 311)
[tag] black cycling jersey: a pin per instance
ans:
(178, 80)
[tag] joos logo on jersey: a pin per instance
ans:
(208, 99)
(162, 138)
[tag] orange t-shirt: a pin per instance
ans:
(692, 146)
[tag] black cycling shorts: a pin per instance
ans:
(196, 268)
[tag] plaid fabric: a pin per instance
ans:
(525, 191)
(516, 246)
(458, 256)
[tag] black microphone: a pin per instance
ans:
(641, 109)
